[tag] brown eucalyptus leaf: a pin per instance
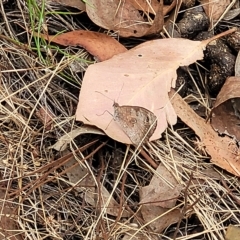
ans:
(232, 233)
(142, 77)
(159, 218)
(145, 6)
(151, 6)
(84, 183)
(98, 44)
(8, 224)
(223, 152)
(225, 115)
(231, 14)
(158, 198)
(64, 140)
(215, 9)
(46, 117)
(163, 189)
(237, 65)
(122, 16)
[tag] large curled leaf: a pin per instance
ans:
(98, 44)
(142, 76)
(225, 112)
(223, 152)
(122, 16)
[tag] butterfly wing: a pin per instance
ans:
(138, 123)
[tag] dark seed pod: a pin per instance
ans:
(222, 66)
(192, 23)
(221, 62)
(233, 40)
(182, 82)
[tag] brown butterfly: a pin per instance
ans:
(138, 123)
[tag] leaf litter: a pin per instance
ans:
(138, 82)
(80, 176)
(123, 17)
(225, 114)
(99, 45)
(60, 195)
(215, 9)
(159, 198)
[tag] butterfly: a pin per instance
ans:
(137, 123)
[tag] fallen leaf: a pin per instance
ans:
(123, 17)
(131, 78)
(162, 191)
(98, 44)
(225, 114)
(145, 6)
(211, 173)
(84, 183)
(215, 9)
(237, 65)
(151, 6)
(145, 77)
(158, 198)
(8, 222)
(233, 233)
(63, 141)
(46, 117)
(231, 14)
(158, 217)
(168, 8)
(222, 152)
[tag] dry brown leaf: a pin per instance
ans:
(163, 217)
(158, 197)
(222, 152)
(168, 22)
(168, 8)
(84, 182)
(63, 141)
(145, 6)
(141, 77)
(123, 17)
(215, 8)
(237, 65)
(46, 117)
(233, 233)
(162, 191)
(8, 219)
(98, 44)
(151, 6)
(71, 3)
(225, 115)
(231, 14)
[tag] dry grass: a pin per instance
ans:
(45, 203)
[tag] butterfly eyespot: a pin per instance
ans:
(147, 119)
(136, 122)
(133, 120)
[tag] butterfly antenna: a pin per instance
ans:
(104, 112)
(120, 92)
(104, 95)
